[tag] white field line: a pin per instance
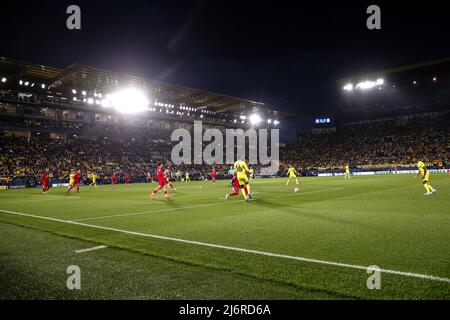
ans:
(91, 249)
(256, 252)
(191, 207)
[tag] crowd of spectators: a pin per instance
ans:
(377, 144)
(388, 144)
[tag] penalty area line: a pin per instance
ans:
(236, 249)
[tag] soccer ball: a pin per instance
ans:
(296, 190)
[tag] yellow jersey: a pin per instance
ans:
(94, 177)
(241, 169)
(72, 178)
(422, 169)
(292, 172)
(347, 169)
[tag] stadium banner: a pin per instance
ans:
(60, 185)
(384, 172)
(363, 173)
(21, 186)
(2, 187)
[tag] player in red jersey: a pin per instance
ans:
(127, 178)
(44, 182)
(77, 180)
(236, 187)
(114, 179)
(162, 182)
(214, 175)
(168, 176)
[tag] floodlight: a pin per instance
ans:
(3, 79)
(366, 85)
(74, 91)
(129, 101)
(83, 93)
(255, 119)
(106, 103)
(348, 87)
(43, 86)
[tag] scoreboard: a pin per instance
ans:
(320, 121)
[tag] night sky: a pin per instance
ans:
(286, 54)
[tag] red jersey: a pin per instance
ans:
(44, 179)
(214, 173)
(161, 176)
(77, 177)
(236, 185)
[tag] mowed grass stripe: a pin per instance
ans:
(218, 246)
(193, 207)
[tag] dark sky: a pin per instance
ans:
(286, 54)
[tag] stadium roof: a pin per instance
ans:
(444, 61)
(78, 76)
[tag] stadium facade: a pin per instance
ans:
(386, 120)
(80, 94)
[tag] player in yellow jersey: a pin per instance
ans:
(94, 180)
(251, 173)
(71, 182)
(423, 171)
(242, 172)
(292, 173)
(347, 172)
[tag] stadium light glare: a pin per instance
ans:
(83, 93)
(90, 101)
(269, 121)
(255, 119)
(27, 83)
(43, 86)
(20, 82)
(74, 91)
(129, 101)
(366, 85)
(106, 103)
(3, 79)
(243, 117)
(276, 122)
(434, 79)
(348, 87)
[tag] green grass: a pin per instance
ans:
(377, 220)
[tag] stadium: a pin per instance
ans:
(358, 207)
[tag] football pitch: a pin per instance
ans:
(313, 244)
